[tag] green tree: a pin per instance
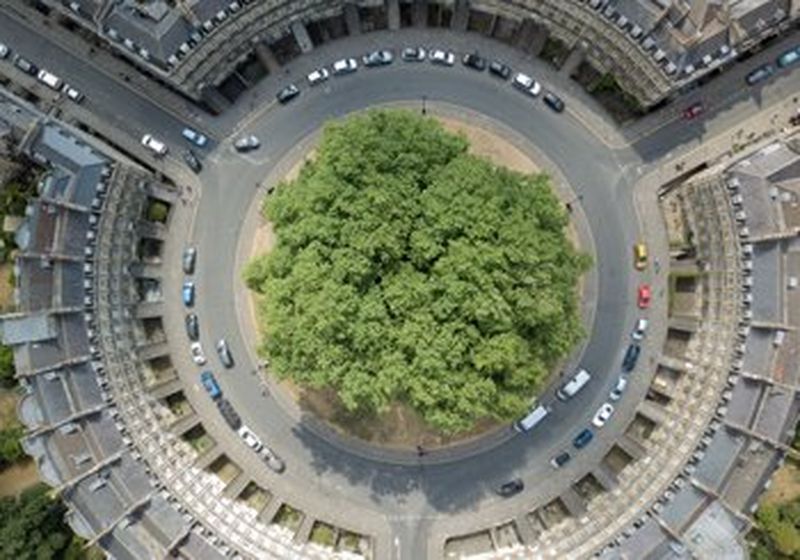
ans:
(407, 269)
(10, 447)
(7, 369)
(32, 526)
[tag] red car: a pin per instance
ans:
(693, 111)
(644, 296)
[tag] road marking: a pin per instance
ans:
(252, 117)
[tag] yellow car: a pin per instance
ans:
(640, 256)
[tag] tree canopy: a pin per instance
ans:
(406, 268)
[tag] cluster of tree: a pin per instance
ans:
(408, 269)
(778, 532)
(32, 526)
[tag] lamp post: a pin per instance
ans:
(424, 109)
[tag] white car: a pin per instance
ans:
(247, 143)
(251, 439)
(603, 414)
(272, 460)
(72, 93)
(4, 50)
(318, 76)
(527, 84)
(345, 66)
(197, 353)
(438, 56)
(640, 330)
(156, 146)
(619, 388)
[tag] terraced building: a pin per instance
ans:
(212, 50)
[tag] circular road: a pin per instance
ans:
(411, 497)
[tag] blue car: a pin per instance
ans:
(789, 57)
(210, 385)
(188, 294)
(583, 438)
(194, 137)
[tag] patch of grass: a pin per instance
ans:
(323, 534)
(288, 517)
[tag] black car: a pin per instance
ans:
(553, 101)
(192, 161)
(560, 460)
(474, 61)
(192, 327)
(631, 357)
(497, 68)
(230, 415)
(287, 94)
(511, 487)
(25, 65)
(583, 438)
(760, 74)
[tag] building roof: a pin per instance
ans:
(28, 328)
(159, 32)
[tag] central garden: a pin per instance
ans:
(408, 271)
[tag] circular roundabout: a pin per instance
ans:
(415, 489)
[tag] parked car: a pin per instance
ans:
(250, 439)
(188, 294)
(287, 94)
(500, 70)
(198, 356)
(247, 143)
(759, 74)
(156, 146)
(474, 61)
(640, 256)
(192, 161)
(560, 460)
(583, 438)
(25, 65)
(631, 357)
(224, 353)
(413, 54)
(4, 51)
(619, 388)
(511, 487)
(229, 414)
(192, 326)
(643, 296)
(50, 80)
(210, 385)
(272, 460)
(553, 101)
(603, 414)
(789, 58)
(194, 137)
(640, 329)
(693, 111)
(189, 259)
(72, 93)
(445, 58)
(525, 83)
(378, 58)
(345, 66)
(318, 76)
